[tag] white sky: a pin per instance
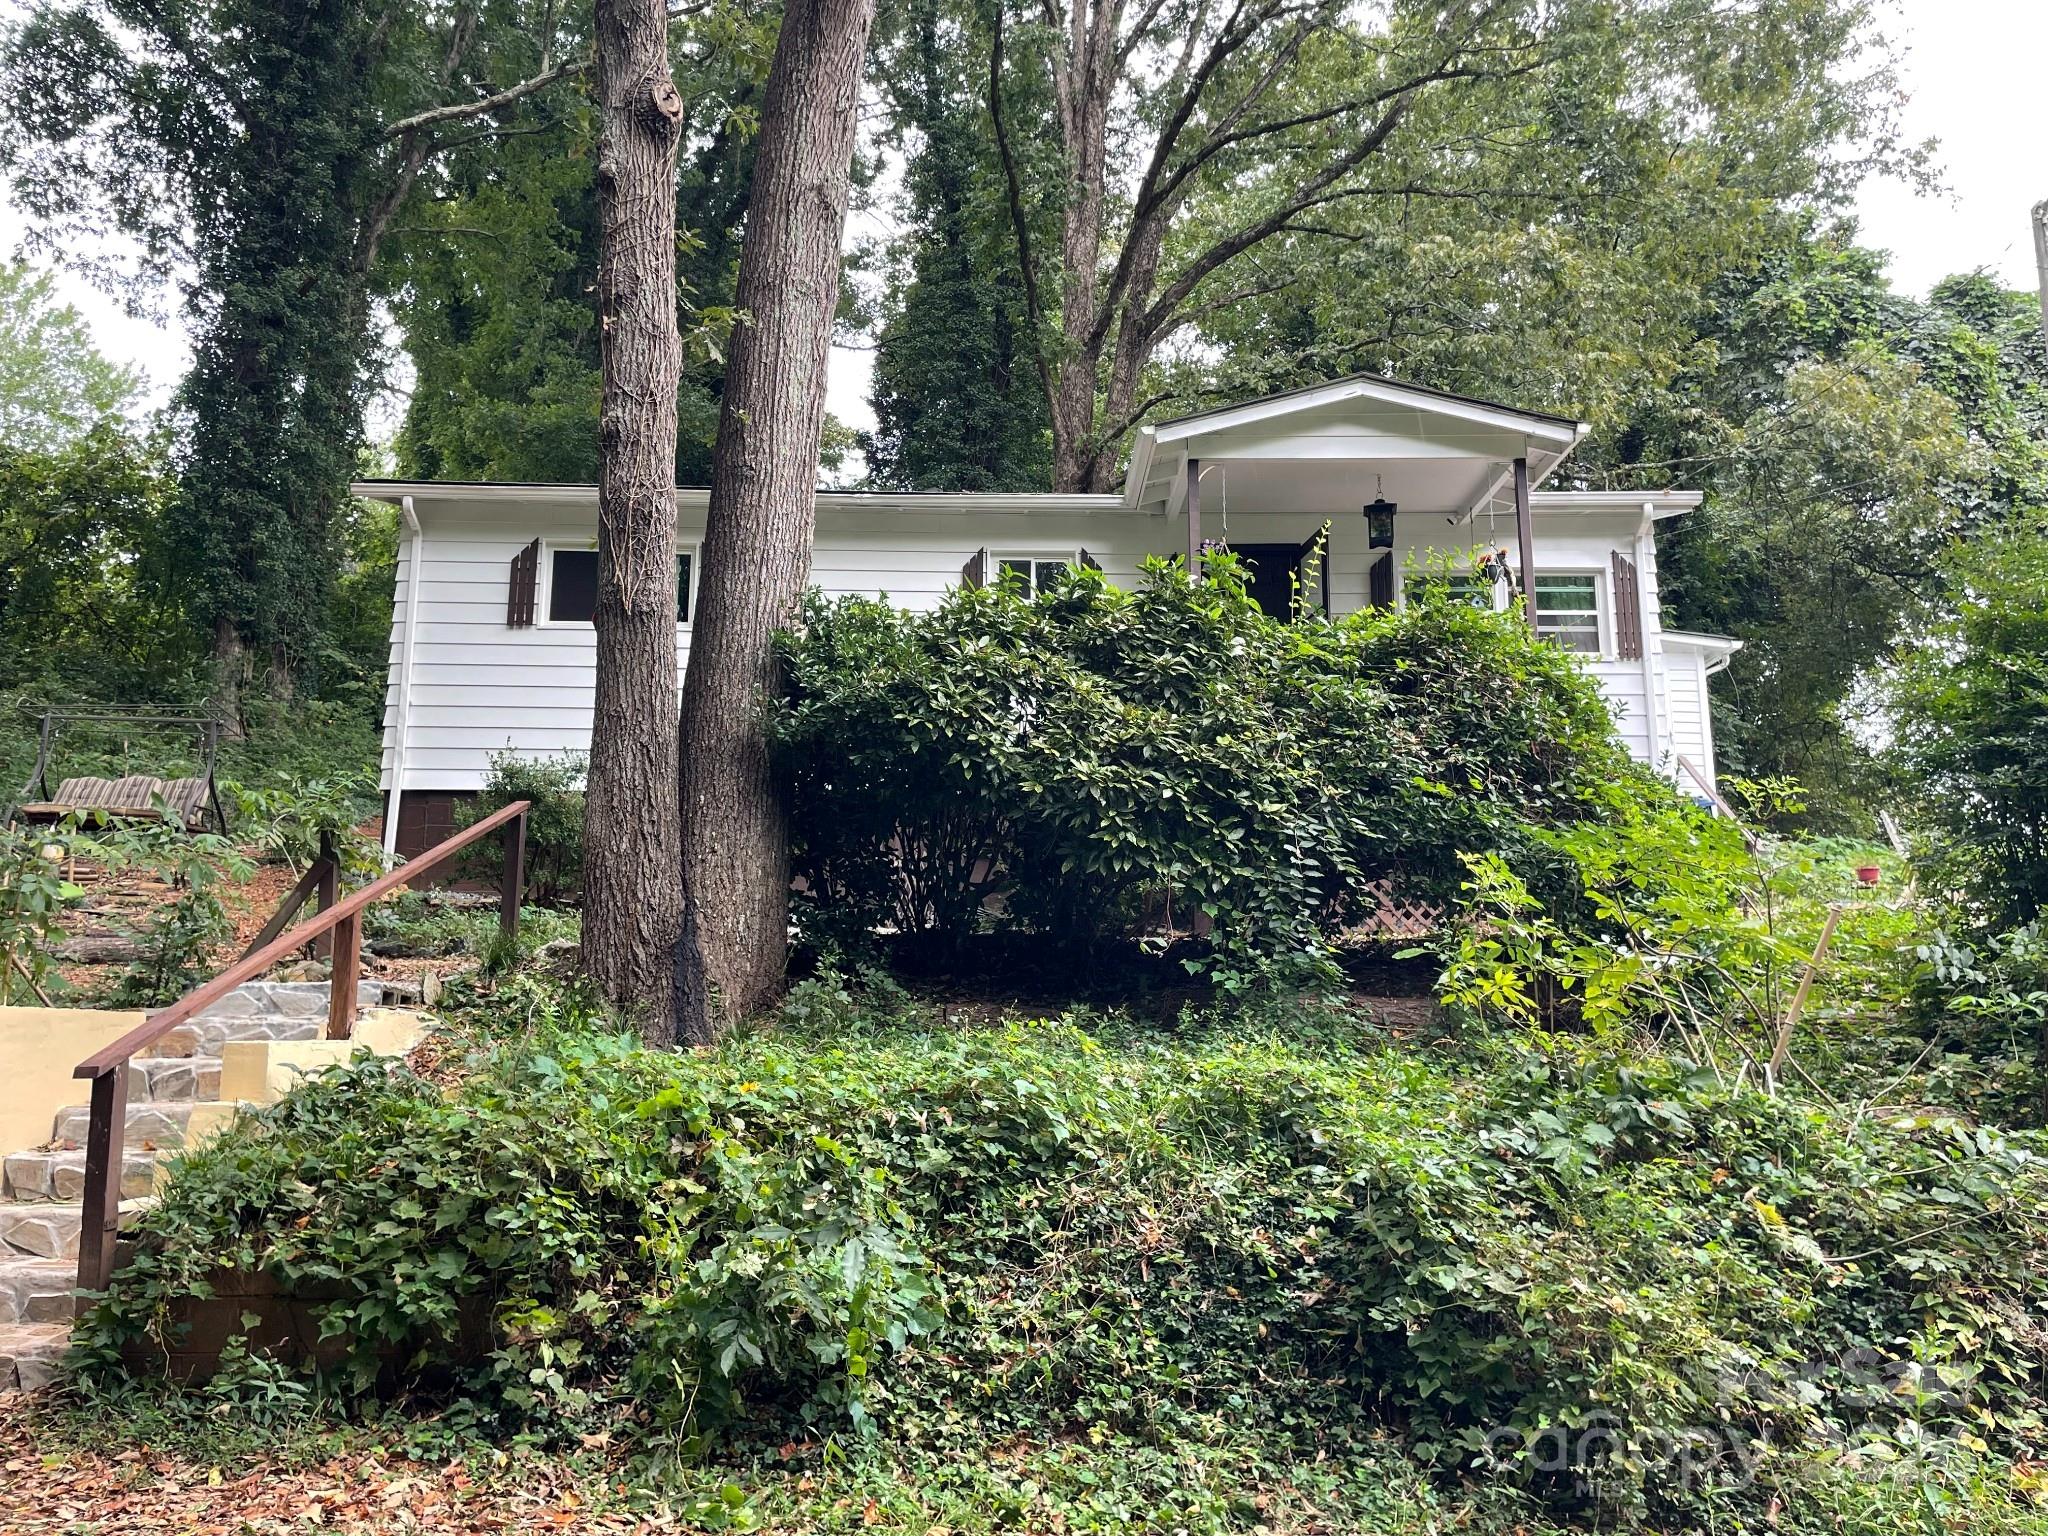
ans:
(1974, 74)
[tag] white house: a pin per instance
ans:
(492, 649)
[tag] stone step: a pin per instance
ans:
(197, 1039)
(152, 1124)
(60, 1175)
(34, 1290)
(164, 1078)
(49, 1231)
(287, 999)
(30, 1354)
(260, 1010)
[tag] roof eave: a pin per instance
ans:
(1540, 424)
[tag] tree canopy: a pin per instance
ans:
(258, 156)
(1204, 202)
(82, 490)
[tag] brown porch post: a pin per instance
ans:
(1525, 540)
(1194, 519)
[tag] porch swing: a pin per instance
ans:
(183, 802)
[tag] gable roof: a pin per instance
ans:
(1354, 385)
(1427, 448)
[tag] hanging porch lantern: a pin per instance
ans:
(1379, 518)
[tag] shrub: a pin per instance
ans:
(1062, 763)
(289, 818)
(554, 826)
(606, 1212)
(1987, 1003)
(175, 942)
(1966, 697)
(34, 893)
(178, 941)
(1662, 923)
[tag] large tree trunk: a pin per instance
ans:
(1083, 79)
(757, 538)
(631, 904)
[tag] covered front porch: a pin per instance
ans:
(1362, 447)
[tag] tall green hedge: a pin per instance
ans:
(1088, 761)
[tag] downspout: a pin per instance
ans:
(1651, 625)
(401, 723)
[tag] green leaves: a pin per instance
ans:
(1971, 700)
(1091, 765)
(1272, 1224)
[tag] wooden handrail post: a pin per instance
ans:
(348, 966)
(330, 892)
(106, 1143)
(512, 887)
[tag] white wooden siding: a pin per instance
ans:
(1692, 727)
(480, 688)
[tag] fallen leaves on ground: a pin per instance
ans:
(50, 1484)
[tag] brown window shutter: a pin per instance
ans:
(1628, 609)
(1090, 562)
(975, 572)
(1382, 594)
(519, 599)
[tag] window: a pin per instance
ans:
(1037, 573)
(1568, 610)
(572, 585)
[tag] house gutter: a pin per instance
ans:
(1650, 622)
(401, 724)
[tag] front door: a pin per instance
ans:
(1273, 568)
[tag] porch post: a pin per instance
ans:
(1194, 519)
(1525, 540)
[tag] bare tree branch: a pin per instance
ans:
(1243, 239)
(456, 111)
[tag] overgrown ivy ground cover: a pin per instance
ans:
(1146, 1278)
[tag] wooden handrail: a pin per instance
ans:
(107, 1067)
(164, 1020)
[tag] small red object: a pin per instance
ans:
(1868, 874)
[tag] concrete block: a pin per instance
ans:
(392, 1031)
(38, 1049)
(264, 1071)
(209, 1120)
